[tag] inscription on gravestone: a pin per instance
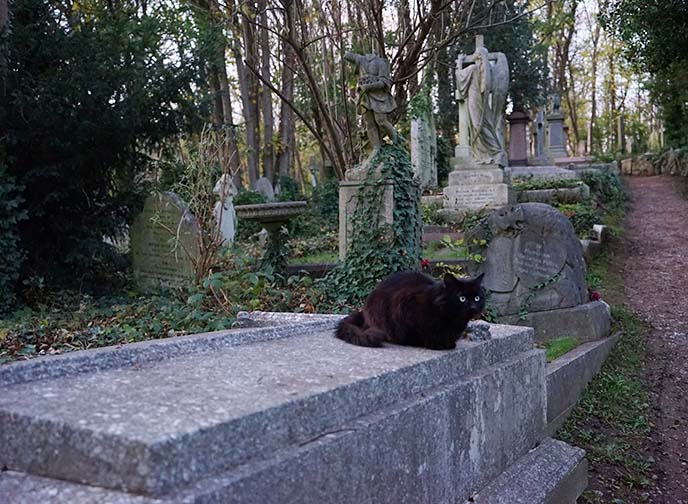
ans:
(164, 243)
(535, 263)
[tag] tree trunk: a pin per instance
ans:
(593, 97)
(266, 95)
(286, 125)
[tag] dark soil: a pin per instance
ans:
(656, 280)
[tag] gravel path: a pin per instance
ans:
(656, 280)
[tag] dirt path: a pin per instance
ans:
(656, 280)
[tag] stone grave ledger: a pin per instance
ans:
(277, 414)
(164, 243)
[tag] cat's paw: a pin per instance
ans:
(478, 331)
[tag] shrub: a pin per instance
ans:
(582, 216)
(605, 187)
(11, 255)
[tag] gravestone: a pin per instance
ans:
(518, 138)
(424, 149)
(556, 138)
(164, 243)
(534, 260)
(225, 216)
(534, 263)
(264, 187)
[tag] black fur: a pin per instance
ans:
(410, 308)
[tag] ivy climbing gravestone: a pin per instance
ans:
(164, 243)
(534, 265)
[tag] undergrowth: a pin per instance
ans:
(611, 420)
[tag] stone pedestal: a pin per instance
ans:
(518, 138)
(348, 200)
(556, 139)
(473, 187)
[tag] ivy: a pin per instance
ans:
(524, 307)
(378, 248)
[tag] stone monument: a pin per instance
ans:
(535, 271)
(165, 241)
(478, 178)
(375, 100)
(424, 149)
(518, 138)
(556, 139)
(225, 216)
(264, 187)
(375, 103)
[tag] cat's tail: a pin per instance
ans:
(352, 330)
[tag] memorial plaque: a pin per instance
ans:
(475, 197)
(536, 262)
(164, 243)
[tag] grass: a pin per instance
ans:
(558, 347)
(611, 420)
(318, 257)
(528, 184)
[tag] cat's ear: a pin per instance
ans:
(450, 281)
(479, 279)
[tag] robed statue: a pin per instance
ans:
(482, 83)
(375, 100)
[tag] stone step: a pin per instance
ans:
(552, 473)
(161, 421)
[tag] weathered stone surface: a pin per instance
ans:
(518, 138)
(542, 172)
(569, 375)
(475, 196)
(424, 149)
(165, 241)
(586, 322)
(348, 200)
(22, 488)
(143, 353)
(242, 423)
(565, 194)
(264, 187)
(476, 176)
(533, 261)
(552, 473)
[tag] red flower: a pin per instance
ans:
(424, 263)
(595, 296)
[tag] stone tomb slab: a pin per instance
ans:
(164, 243)
(166, 426)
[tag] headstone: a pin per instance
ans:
(477, 179)
(556, 138)
(225, 216)
(348, 201)
(165, 240)
(518, 138)
(264, 187)
(424, 149)
(534, 260)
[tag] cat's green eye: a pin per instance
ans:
(477, 298)
(462, 299)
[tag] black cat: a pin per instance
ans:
(410, 308)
